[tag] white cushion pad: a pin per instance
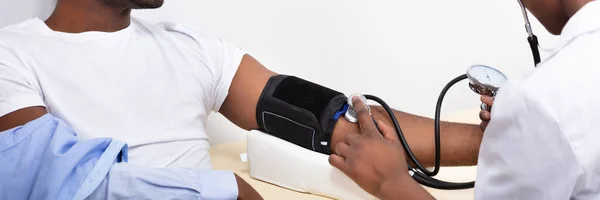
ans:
(287, 165)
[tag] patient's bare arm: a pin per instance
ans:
(459, 142)
(21, 117)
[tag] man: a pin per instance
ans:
(542, 141)
(92, 70)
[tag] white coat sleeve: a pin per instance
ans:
(524, 154)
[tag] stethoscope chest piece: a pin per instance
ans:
(351, 114)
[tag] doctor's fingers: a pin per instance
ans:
(487, 100)
(484, 115)
(389, 132)
(367, 126)
(483, 125)
(342, 149)
(351, 138)
(338, 162)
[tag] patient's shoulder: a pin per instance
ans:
(180, 31)
(18, 31)
(194, 38)
(19, 26)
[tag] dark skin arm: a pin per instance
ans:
(245, 191)
(460, 142)
(247, 85)
(21, 117)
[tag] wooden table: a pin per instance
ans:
(227, 157)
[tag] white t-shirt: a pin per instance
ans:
(543, 142)
(150, 85)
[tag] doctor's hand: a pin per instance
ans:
(374, 161)
(485, 115)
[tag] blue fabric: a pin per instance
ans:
(340, 112)
(44, 160)
(130, 181)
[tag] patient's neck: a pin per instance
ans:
(76, 16)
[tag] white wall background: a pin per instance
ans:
(402, 51)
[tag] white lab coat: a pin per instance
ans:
(543, 142)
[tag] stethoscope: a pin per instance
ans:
(483, 80)
(531, 38)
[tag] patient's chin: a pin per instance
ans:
(146, 4)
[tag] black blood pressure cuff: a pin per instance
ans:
(300, 112)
